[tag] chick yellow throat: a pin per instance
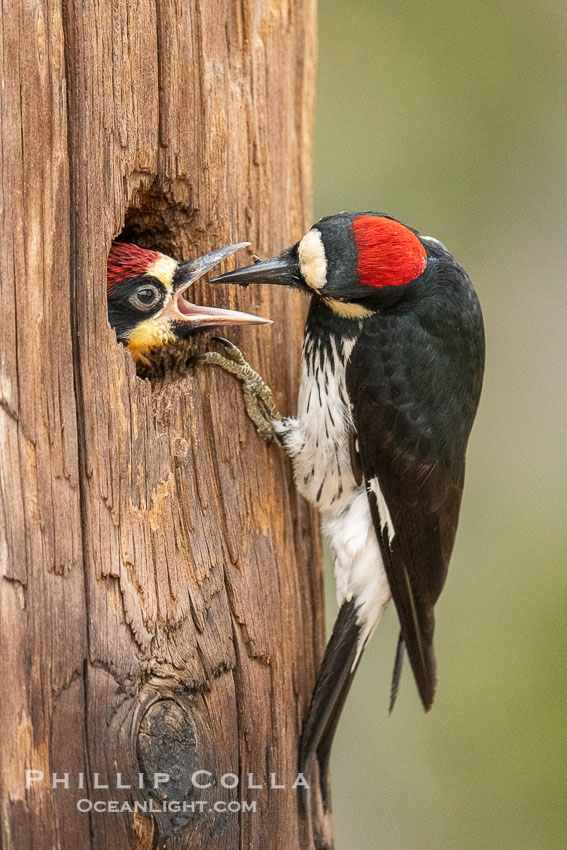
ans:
(147, 335)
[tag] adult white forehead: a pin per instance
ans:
(312, 259)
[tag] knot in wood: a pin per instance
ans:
(166, 744)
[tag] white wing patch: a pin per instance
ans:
(385, 518)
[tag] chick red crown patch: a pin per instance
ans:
(389, 254)
(126, 260)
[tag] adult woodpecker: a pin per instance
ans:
(393, 359)
(146, 303)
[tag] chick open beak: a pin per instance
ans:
(179, 309)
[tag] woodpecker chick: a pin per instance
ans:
(146, 297)
(393, 359)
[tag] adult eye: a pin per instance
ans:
(145, 298)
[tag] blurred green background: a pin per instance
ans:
(452, 117)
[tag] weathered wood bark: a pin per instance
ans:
(161, 591)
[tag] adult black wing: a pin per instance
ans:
(413, 397)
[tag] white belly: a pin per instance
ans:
(358, 565)
(318, 439)
(318, 443)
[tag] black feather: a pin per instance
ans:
(397, 674)
(331, 690)
(414, 380)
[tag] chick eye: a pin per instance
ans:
(145, 298)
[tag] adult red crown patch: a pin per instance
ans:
(389, 254)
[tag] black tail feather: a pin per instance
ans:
(326, 742)
(329, 696)
(397, 674)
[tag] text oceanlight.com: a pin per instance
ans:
(174, 806)
(156, 785)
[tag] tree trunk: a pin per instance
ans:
(162, 607)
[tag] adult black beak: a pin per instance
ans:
(282, 270)
(180, 309)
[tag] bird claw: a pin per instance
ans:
(258, 399)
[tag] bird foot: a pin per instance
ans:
(258, 399)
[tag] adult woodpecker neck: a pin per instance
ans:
(327, 332)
